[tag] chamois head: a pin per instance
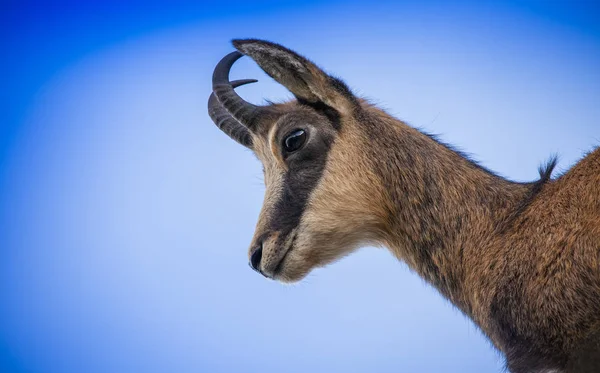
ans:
(520, 259)
(313, 159)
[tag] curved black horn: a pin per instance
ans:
(245, 112)
(225, 121)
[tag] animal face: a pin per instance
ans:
(317, 191)
(340, 173)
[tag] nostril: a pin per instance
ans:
(255, 258)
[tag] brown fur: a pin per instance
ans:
(522, 260)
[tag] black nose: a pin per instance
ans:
(255, 258)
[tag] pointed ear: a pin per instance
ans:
(302, 77)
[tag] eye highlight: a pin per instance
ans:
(294, 140)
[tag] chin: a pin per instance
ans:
(284, 278)
(292, 269)
(290, 274)
(296, 266)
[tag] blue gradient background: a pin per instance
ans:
(125, 214)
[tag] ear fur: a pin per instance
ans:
(303, 78)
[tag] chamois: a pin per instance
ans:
(522, 260)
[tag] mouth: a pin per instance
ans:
(279, 266)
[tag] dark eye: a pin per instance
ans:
(294, 140)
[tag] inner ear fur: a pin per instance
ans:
(303, 78)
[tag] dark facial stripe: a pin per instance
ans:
(300, 180)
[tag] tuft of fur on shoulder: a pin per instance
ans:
(545, 170)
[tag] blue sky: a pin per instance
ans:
(125, 214)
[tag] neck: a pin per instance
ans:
(443, 209)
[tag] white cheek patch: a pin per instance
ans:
(273, 179)
(275, 152)
(274, 183)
